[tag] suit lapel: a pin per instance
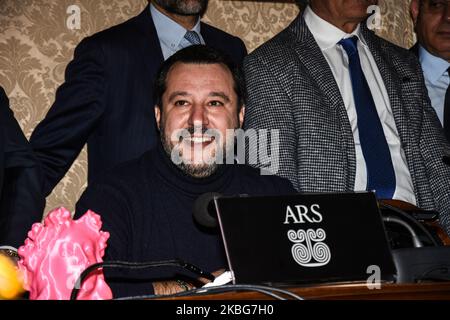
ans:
(396, 77)
(312, 58)
(151, 48)
(209, 38)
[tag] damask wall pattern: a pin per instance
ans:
(36, 45)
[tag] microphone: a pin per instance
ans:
(204, 210)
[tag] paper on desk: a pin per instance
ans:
(221, 280)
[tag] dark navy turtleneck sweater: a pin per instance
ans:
(146, 206)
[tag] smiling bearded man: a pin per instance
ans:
(199, 133)
(146, 204)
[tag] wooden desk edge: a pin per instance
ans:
(348, 291)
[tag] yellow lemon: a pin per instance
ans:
(10, 285)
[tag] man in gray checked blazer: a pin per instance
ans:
(302, 83)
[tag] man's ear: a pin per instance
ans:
(241, 116)
(158, 116)
(414, 10)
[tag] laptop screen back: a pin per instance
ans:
(304, 238)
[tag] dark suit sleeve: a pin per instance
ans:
(22, 202)
(270, 108)
(78, 107)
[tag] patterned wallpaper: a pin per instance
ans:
(36, 45)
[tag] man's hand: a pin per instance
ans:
(171, 287)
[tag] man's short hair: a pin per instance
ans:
(200, 54)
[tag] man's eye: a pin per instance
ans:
(437, 4)
(181, 103)
(215, 103)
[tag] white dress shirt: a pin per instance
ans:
(327, 37)
(171, 34)
(436, 79)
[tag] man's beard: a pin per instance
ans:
(195, 170)
(184, 7)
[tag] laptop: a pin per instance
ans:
(304, 238)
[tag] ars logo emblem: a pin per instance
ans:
(309, 250)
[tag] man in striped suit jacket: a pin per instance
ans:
(301, 83)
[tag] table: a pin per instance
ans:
(346, 291)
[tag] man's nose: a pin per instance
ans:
(198, 115)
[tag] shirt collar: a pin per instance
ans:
(326, 34)
(169, 32)
(433, 67)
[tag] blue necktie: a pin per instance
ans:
(192, 37)
(447, 112)
(380, 171)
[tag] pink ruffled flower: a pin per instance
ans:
(57, 251)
